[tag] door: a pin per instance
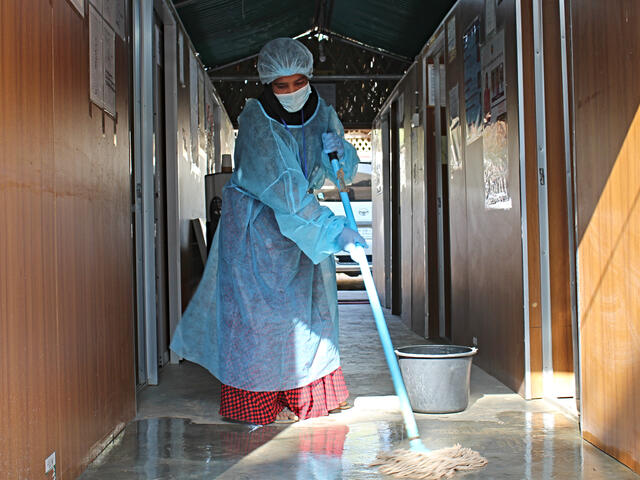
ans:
(396, 257)
(441, 171)
(159, 177)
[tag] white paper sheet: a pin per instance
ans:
(109, 50)
(96, 58)
(79, 6)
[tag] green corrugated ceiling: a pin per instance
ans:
(224, 31)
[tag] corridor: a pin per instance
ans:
(493, 147)
(179, 435)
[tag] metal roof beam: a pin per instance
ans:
(184, 3)
(364, 46)
(319, 78)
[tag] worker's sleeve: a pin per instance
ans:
(268, 167)
(349, 161)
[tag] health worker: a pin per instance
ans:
(264, 319)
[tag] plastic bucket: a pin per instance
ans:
(437, 377)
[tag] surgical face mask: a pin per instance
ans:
(292, 102)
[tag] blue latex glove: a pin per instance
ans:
(350, 236)
(331, 142)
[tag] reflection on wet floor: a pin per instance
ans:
(179, 435)
(523, 445)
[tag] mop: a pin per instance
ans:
(417, 461)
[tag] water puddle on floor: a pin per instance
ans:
(517, 445)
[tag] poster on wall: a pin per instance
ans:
(451, 38)
(472, 81)
(496, 166)
(432, 85)
(376, 165)
(113, 13)
(489, 16)
(181, 57)
(109, 52)
(193, 108)
(102, 62)
(455, 158)
(201, 99)
(495, 130)
(494, 95)
(96, 58)
(79, 6)
(97, 5)
(209, 126)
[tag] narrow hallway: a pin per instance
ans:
(178, 433)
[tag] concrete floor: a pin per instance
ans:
(178, 433)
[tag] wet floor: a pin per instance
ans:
(179, 435)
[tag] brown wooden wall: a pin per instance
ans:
(531, 186)
(405, 137)
(66, 307)
(418, 197)
(605, 71)
(556, 180)
(486, 244)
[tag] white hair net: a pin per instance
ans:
(282, 57)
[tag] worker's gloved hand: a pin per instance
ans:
(350, 236)
(331, 142)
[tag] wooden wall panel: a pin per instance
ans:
(406, 194)
(66, 312)
(431, 198)
(28, 323)
(493, 258)
(458, 236)
(93, 249)
(606, 142)
(418, 220)
(531, 186)
(378, 209)
(381, 204)
(486, 249)
(556, 178)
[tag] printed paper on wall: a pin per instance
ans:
(78, 5)
(472, 82)
(451, 38)
(494, 91)
(109, 52)
(96, 58)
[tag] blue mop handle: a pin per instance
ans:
(357, 253)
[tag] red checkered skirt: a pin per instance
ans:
(261, 408)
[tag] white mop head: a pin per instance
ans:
(443, 463)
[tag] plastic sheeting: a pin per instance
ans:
(265, 315)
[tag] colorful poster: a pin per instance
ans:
(451, 38)
(472, 81)
(494, 93)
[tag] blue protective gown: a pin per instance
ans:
(265, 315)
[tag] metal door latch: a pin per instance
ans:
(541, 171)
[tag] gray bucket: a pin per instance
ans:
(436, 376)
